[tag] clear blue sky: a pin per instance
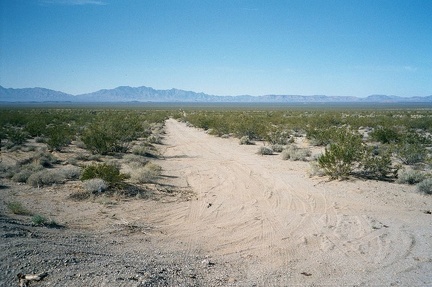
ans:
(220, 47)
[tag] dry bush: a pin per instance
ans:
(46, 177)
(425, 186)
(315, 169)
(295, 153)
(245, 140)
(95, 185)
(135, 159)
(263, 150)
(71, 172)
(17, 208)
(147, 174)
(277, 147)
(410, 176)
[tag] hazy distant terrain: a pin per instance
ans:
(147, 94)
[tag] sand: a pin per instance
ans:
(253, 220)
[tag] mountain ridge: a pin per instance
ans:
(148, 94)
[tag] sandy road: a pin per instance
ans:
(280, 227)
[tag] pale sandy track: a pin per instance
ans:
(267, 216)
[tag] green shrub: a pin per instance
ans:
(112, 132)
(385, 135)
(108, 172)
(59, 136)
(425, 186)
(15, 136)
(409, 176)
(341, 157)
(17, 208)
(321, 136)
(279, 137)
(376, 163)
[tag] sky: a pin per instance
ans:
(219, 47)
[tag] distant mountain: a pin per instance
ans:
(146, 94)
(33, 95)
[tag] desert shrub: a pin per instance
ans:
(321, 136)
(40, 139)
(46, 177)
(410, 176)
(280, 137)
(263, 150)
(277, 148)
(59, 136)
(95, 185)
(245, 140)
(425, 186)
(295, 153)
(142, 150)
(40, 220)
(315, 169)
(71, 172)
(155, 138)
(22, 175)
(147, 174)
(385, 135)
(108, 172)
(17, 208)
(6, 170)
(44, 158)
(340, 157)
(137, 159)
(15, 137)
(411, 153)
(376, 163)
(112, 132)
(72, 161)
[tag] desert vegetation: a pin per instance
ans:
(370, 143)
(46, 147)
(388, 144)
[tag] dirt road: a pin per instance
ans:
(284, 228)
(241, 219)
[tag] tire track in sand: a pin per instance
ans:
(273, 219)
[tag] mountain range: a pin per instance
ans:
(147, 94)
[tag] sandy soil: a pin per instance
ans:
(241, 219)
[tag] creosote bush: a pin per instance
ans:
(340, 157)
(108, 172)
(376, 163)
